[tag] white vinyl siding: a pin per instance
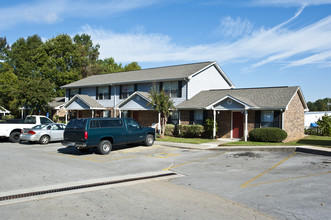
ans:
(208, 79)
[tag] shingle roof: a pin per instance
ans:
(87, 100)
(267, 98)
(145, 75)
(57, 101)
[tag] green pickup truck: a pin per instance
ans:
(103, 133)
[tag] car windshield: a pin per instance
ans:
(38, 127)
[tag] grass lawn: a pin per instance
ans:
(185, 140)
(313, 140)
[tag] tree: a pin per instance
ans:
(163, 105)
(89, 54)
(34, 94)
(325, 125)
(8, 83)
(319, 105)
(64, 61)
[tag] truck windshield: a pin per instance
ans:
(76, 124)
(30, 120)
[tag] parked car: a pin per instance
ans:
(13, 129)
(43, 133)
(103, 133)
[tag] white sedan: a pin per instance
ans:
(43, 133)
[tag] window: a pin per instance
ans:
(267, 119)
(198, 117)
(45, 121)
(171, 89)
(174, 118)
(103, 93)
(73, 92)
(126, 91)
(132, 124)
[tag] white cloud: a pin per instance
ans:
(234, 27)
(48, 12)
(289, 3)
(307, 45)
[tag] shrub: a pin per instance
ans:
(7, 117)
(169, 130)
(325, 125)
(190, 131)
(56, 118)
(267, 135)
(209, 128)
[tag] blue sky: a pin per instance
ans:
(258, 43)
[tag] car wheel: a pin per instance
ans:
(44, 139)
(104, 147)
(15, 137)
(149, 141)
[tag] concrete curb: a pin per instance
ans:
(303, 149)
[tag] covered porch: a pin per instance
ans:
(83, 106)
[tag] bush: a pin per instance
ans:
(267, 135)
(169, 130)
(209, 128)
(190, 131)
(8, 117)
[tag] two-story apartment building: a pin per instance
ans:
(199, 91)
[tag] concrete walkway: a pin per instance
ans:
(215, 146)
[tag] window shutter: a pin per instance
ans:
(80, 91)
(276, 119)
(109, 92)
(179, 95)
(96, 93)
(69, 93)
(135, 87)
(205, 116)
(191, 116)
(120, 91)
(160, 86)
(257, 119)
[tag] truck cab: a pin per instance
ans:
(103, 133)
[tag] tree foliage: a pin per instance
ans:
(52, 64)
(325, 125)
(319, 105)
(163, 105)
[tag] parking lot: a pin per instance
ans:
(209, 184)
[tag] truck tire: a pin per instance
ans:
(149, 140)
(104, 147)
(14, 136)
(44, 139)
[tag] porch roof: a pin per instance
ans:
(252, 98)
(85, 99)
(3, 110)
(132, 103)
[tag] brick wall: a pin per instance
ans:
(223, 120)
(251, 121)
(294, 119)
(147, 118)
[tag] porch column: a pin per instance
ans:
(246, 120)
(66, 116)
(214, 128)
(119, 113)
(92, 113)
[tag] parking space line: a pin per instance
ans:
(273, 167)
(293, 178)
(214, 155)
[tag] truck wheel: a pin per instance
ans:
(14, 137)
(149, 141)
(44, 139)
(104, 147)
